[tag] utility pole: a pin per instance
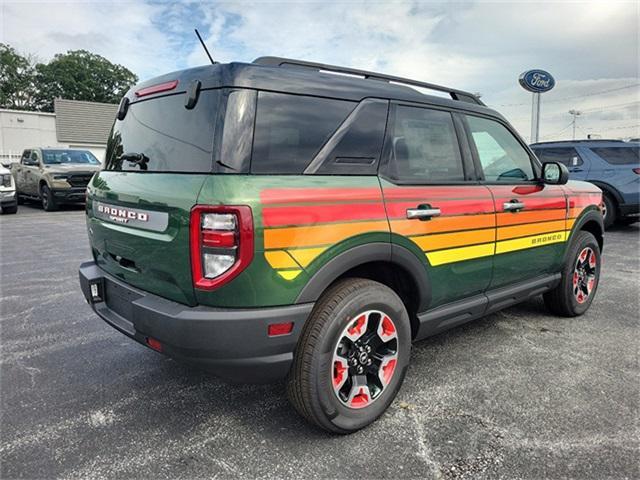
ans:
(575, 113)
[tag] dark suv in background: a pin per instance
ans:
(612, 165)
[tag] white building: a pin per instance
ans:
(74, 124)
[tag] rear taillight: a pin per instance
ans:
(636, 170)
(221, 244)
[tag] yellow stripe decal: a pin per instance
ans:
(289, 274)
(304, 256)
(459, 254)
(530, 242)
(280, 259)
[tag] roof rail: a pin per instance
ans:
(582, 140)
(288, 62)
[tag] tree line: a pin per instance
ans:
(76, 75)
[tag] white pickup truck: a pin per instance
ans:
(8, 198)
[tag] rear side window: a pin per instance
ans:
(502, 157)
(355, 147)
(424, 146)
(291, 129)
(171, 137)
(619, 155)
(567, 156)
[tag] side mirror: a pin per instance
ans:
(554, 173)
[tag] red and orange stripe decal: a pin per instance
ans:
(300, 224)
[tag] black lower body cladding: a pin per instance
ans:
(230, 343)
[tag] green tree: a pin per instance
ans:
(81, 75)
(17, 89)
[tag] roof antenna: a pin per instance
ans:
(205, 47)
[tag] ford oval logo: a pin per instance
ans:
(537, 81)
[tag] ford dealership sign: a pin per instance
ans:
(537, 81)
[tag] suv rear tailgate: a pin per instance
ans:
(139, 229)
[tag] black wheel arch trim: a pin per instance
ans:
(591, 215)
(363, 254)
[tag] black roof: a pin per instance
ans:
(306, 78)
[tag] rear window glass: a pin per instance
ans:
(619, 155)
(171, 137)
(291, 129)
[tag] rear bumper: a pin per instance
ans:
(231, 343)
(70, 195)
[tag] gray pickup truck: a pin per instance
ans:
(54, 176)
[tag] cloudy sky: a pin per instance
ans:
(590, 47)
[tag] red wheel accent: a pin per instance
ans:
(388, 328)
(358, 326)
(387, 370)
(592, 260)
(361, 399)
(339, 373)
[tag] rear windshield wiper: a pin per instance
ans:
(139, 159)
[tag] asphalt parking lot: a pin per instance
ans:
(518, 394)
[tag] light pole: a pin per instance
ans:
(575, 113)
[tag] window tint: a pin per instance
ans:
(34, 156)
(568, 156)
(619, 155)
(355, 147)
(424, 146)
(502, 157)
(173, 138)
(291, 129)
(25, 155)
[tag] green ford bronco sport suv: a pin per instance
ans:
(286, 219)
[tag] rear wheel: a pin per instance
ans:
(580, 278)
(610, 212)
(48, 202)
(352, 356)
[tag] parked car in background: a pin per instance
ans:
(54, 176)
(612, 165)
(274, 220)
(8, 199)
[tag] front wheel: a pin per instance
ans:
(48, 202)
(580, 278)
(352, 356)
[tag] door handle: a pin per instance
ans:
(513, 206)
(424, 213)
